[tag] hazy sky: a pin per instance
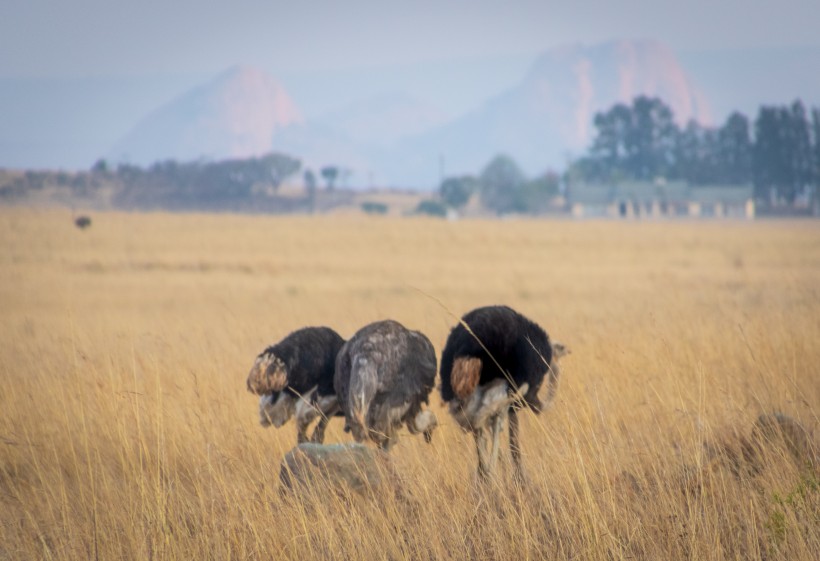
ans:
(130, 37)
(77, 75)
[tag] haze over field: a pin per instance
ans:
(397, 95)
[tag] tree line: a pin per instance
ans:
(778, 153)
(503, 188)
(234, 184)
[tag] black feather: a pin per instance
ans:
(509, 345)
(310, 357)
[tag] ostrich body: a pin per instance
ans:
(384, 375)
(491, 367)
(295, 376)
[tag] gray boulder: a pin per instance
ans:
(780, 428)
(336, 466)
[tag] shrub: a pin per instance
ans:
(371, 207)
(432, 208)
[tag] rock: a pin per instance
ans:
(335, 466)
(745, 456)
(782, 428)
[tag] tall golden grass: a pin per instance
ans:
(126, 431)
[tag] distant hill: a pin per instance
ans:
(234, 116)
(70, 122)
(398, 140)
(401, 141)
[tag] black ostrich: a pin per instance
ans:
(494, 362)
(296, 376)
(82, 222)
(384, 375)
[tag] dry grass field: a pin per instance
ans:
(126, 431)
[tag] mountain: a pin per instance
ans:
(235, 115)
(397, 140)
(548, 116)
(69, 122)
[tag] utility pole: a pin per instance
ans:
(440, 169)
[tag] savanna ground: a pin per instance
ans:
(126, 431)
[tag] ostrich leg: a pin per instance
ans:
(301, 431)
(305, 413)
(387, 441)
(515, 448)
(327, 406)
(481, 446)
(497, 425)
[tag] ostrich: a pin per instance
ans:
(82, 222)
(296, 376)
(494, 362)
(384, 374)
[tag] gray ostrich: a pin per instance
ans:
(384, 375)
(495, 361)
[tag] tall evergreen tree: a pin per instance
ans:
(734, 146)
(609, 148)
(651, 139)
(800, 150)
(767, 163)
(815, 126)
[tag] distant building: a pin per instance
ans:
(659, 199)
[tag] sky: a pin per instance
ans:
(76, 75)
(57, 38)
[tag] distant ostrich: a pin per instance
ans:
(384, 374)
(82, 222)
(495, 360)
(296, 376)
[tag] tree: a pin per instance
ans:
(372, 207)
(536, 194)
(609, 148)
(689, 151)
(273, 167)
(636, 141)
(651, 139)
(330, 173)
(100, 166)
(735, 150)
(800, 149)
(501, 182)
(767, 159)
(815, 126)
(456, 191)
(782, 150)
(431, 208)
(310, 188)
